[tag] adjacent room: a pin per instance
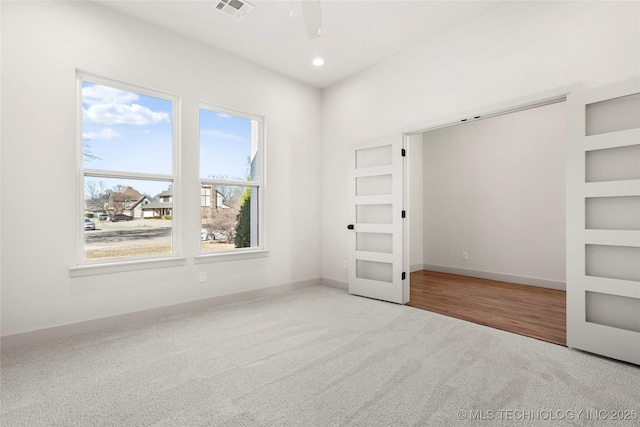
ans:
(212, 212)
(493, 221)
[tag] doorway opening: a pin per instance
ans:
(487, 219)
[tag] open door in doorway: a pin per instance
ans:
(603, 227)
(376, 220)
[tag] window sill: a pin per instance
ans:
(231, 256)
(118, 267)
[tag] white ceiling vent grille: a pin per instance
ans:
(236, 9)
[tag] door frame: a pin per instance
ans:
(513, 105)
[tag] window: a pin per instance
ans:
(128, 171)
(205, 196)
(231, 181)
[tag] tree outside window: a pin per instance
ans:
(231, 182)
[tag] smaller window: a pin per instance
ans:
(231, 185)
(205, 196)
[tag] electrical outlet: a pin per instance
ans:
(345, 264)
(465, 256)
(203, 276)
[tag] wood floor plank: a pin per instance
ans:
(526, 310)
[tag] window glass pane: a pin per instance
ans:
(230, 217)
(228, 147)
(125, 131)
(377, 185)
(374, 214)
(372, 270)
(372, 157)
(374, 242)
(127, 217)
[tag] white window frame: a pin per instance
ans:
(85, 266)
(259, 182)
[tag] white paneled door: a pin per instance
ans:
(376, 220)
(603, 221)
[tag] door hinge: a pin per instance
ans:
(404, 152)
(404, 214)
(404, 275)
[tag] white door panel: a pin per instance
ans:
(603, 230)
(376, 194)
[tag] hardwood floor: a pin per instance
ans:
(526, 310)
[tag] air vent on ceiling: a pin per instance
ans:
(236, 9)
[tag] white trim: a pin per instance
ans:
(612, 91)
(176, 187)
(406, 229)
(99, 173)
(629, 238)
(624, 288)
(510, 106)
(416, 267)
(126, 86)
(521, 280)
(122, 266)
(230, 183)
(623, 138)
(74, 329)
(630, 187)
(334, 284)
(232, 255)
(217, 108)
(79, 172)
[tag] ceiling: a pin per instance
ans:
(355, 34)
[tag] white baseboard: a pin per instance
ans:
(531, 281)
(65, 331)
(416, 267)
(334, 284)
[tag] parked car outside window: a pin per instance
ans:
(89, 224)
(121, 217)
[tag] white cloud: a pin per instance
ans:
(221, 135)
(111, 106)
(106, 133)
(223, 116)
(97, 94)
(118, 114)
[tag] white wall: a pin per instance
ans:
(516, 50)
(43, 43)
(495, 189)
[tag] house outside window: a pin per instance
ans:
(231, 181)
(128, 170)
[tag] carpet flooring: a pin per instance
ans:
(312, 357)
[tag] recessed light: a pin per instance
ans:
(318, 62)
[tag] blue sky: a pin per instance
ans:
(225, 145)
(130, 132)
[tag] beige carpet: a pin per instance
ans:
(314, 357)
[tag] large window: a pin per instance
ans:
(128, 171)
(231, 183)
